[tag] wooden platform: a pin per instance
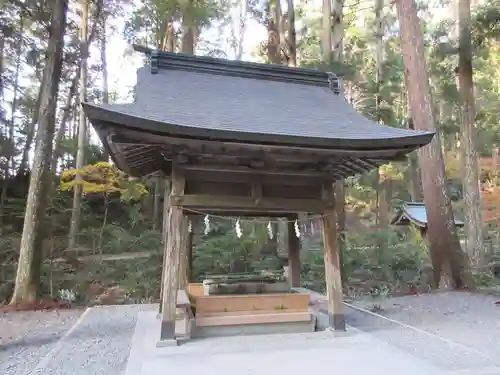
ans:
(228, 315)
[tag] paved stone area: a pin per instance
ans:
(270, 354)
(383, 350)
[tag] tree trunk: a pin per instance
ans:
(82, 131)
(473, 218)
(332, 30)
(446, 254)
(338, 30)
(379, 52)
(30, 136)
(168, 36)
(379, 60)
(10, 165)
(2, 51)
(337, 16)
(495, 158)
(273, 35)
(385, 204)
(64, 120)
(281, 26)
(291, 38)
(188, 35)
(104, 67)
(242, 29)
(413, 167)
(31, 129)
(28, 270)
(326, 32)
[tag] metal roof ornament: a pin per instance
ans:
(334, 83)
(154, 61)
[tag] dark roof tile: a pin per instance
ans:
(199, 103)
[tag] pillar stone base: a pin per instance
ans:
(336, 322)
(167, 343)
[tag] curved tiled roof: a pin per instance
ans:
(188, 101)
(415, 213)
(203, 98)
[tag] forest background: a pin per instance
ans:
(85, 232)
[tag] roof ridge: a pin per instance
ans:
(414, 203)
(244, 69)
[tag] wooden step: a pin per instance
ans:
(250, 318)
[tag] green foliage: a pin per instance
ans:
(116, 211)
(400, 266)
(486, 23)
(148, 21)
(220, 251)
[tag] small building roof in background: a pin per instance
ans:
(415, 213)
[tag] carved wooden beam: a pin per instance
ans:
(238, 177)
(228, 203)
(225, 146)
(254, 172)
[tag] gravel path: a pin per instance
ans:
(453, 330)
(26, 337)
(100, 344)
(472, 320)
(434, 349)
(59, 343)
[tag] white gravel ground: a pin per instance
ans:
(454, 331)
(472, 320)
(26, 337)
(451, 330)
(99, 344)
(68, 342)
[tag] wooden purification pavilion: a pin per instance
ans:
(244, 139)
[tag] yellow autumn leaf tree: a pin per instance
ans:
(104, 178)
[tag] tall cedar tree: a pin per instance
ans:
(445, 250)
(28, 269)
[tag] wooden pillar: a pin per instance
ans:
(175, 229)
(190, 256)
(332, 266)
(184, 257)
(293, 253)
(166, 195)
